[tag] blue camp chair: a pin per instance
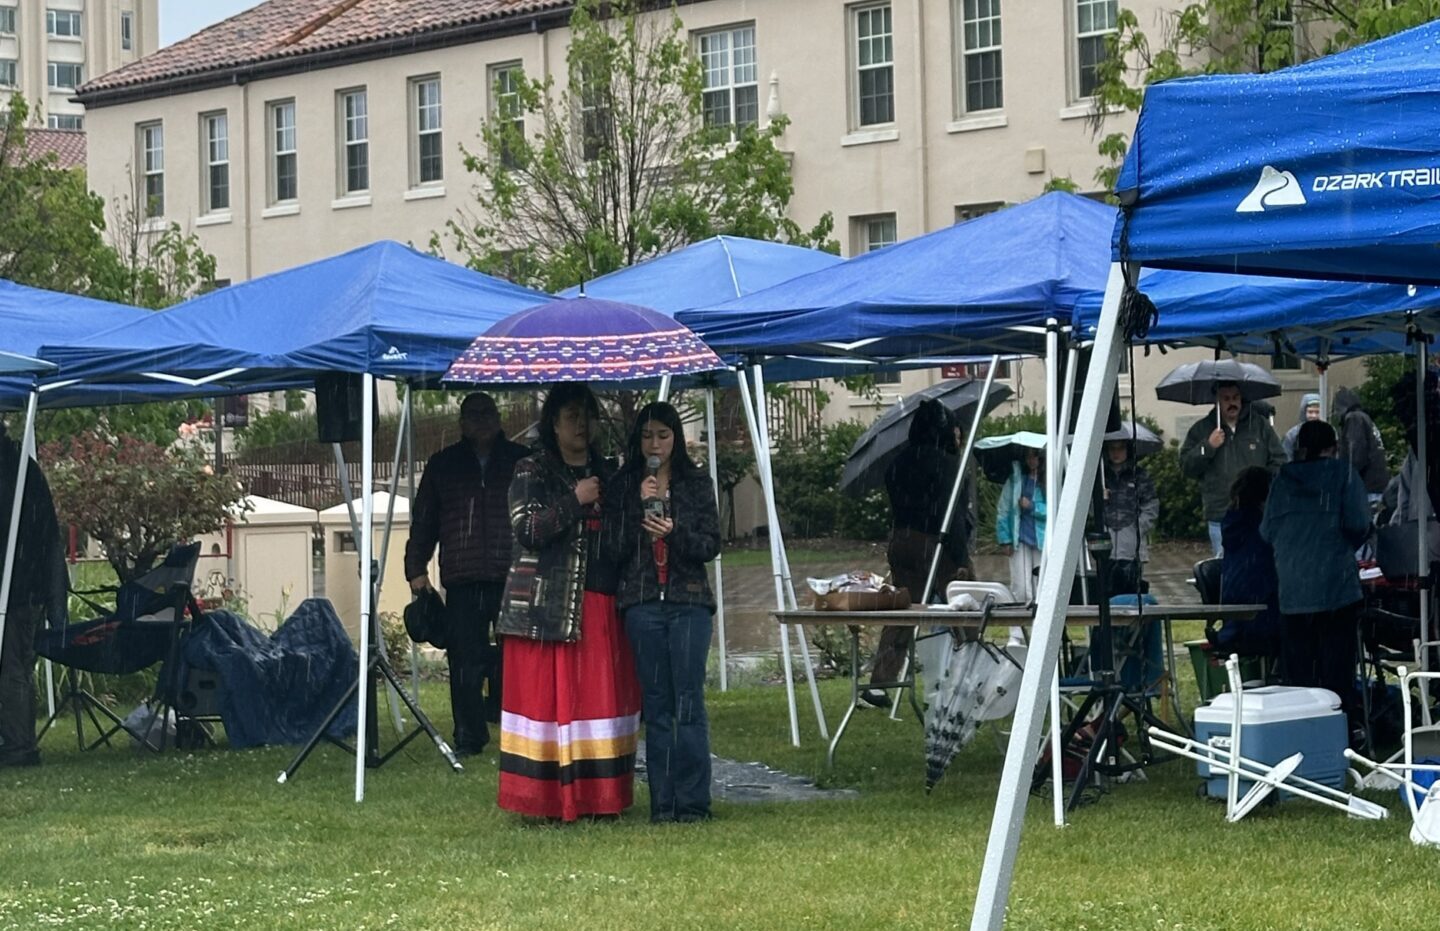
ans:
(144, 627)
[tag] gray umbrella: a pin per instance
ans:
(1145, 441)
(877, 446)
(1195, 382)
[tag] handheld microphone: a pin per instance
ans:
(652, 467)
(653, 506)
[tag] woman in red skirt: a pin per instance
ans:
(570, 707)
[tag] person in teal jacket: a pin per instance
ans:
(1315, 517)
(1020, 521)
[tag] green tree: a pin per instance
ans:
(1232, 37)
(618, 164)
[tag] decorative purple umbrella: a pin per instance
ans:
(582, 339)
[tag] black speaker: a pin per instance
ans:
(338, 407)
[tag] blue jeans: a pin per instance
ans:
(671, 643)
(1215, 546)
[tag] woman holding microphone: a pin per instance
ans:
(665, 529)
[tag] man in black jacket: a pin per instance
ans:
(462, 505)
(1360, 443)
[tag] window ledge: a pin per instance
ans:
(154, 225)
(1085, 109)
(213, 219)
(280, 210)
(350, 200)
(970, 124)
(425, 193)
(869, 136)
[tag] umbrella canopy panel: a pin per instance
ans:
(1197, 382)
(996, 453)
(878, 446)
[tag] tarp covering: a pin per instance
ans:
(706, 273)
(1329, 169)
(960, 290)
(384, 309)
(277, 689)
(1260, 314)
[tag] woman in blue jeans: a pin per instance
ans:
(665, 529)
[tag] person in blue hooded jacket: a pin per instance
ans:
(1315, 518)
(1020, 521)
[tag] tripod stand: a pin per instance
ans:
(376, 667)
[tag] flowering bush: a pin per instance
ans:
(137, 499)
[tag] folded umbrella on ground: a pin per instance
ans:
(879, 445)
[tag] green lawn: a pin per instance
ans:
(118, 839)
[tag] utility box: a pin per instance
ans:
(265, 557)
(342, 560)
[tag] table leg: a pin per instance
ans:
(854, 696)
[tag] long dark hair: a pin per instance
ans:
(681, 465)
(558, 398)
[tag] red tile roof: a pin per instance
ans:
(287, 29)
(67, 145)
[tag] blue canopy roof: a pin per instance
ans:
(384, 309)
(705, 273)
(31, 317)
(1258, 314)
(1329, 169)
(960, 290)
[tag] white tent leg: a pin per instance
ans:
(787, 587)
(367, 521)
(1422, 550)
(394, 699)
(719, 568)
(664, 393)
(749, 402)
(12, 535)
(1065, 539)
(1054, 470)
(1324, 393)
(410, 489)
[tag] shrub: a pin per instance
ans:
(807, 488)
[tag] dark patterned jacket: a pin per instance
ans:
(465, 510)
(1131, 509)
(553, 551)
(694, 542)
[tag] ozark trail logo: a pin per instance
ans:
(394, 355)
(1274, 189)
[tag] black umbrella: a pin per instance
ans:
(1195, 382)
(877, 446)
(1146, 443)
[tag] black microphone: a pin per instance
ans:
(652, 467)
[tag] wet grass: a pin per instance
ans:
(118, 840)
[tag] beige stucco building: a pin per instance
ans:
(307, 127)
(48, 48)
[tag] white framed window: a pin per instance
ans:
(354, 115)
(63, 24)
(7, 20)
(874, 232)
(215, 137)
(874, 52)
(280, 126)
(1277, 48)
(151, 143)
(731, 95)
(982, 85)
(64, 75)
(1094, 24)
(9, 76)
(127, 31)
(427, 145)
(595, 123)
(72, 121)
(507, 107)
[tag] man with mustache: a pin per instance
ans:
(1217, 448)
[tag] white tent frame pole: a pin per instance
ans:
(1055, 425)
(12, 534)
(365, 546)
(748, 400)
(1422, 547)
(394, 489)
(1324, 393)
(664, 392)
(410, 489)
(782, 565)
(970, 434)
(719, 569)
(1065, 539)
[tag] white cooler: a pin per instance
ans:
(1279, 721)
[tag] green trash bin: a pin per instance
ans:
(1210, 678)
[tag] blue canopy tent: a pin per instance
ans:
(380, 311)
(1004, 283)
(1325, 170)
(13, 363)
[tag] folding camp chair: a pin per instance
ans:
(143, 628)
